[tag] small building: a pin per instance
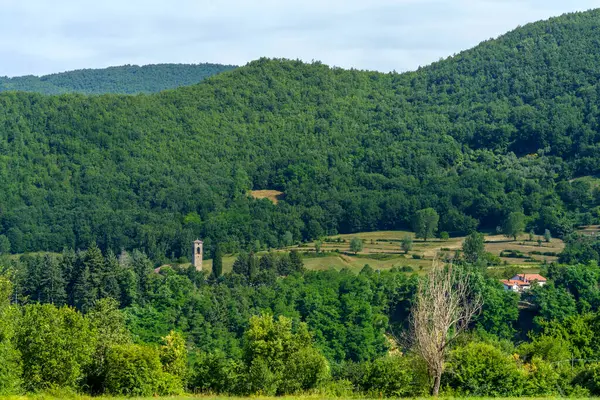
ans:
(197, 253)
(515, 285)
(522, 282)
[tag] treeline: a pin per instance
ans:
(272, 327)
(506, 127)
(126, 79)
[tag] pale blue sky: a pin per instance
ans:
(41, 36)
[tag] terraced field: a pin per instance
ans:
(381, 250)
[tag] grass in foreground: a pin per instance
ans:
(206, 397)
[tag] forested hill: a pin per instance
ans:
(127, 79)
(501, 128)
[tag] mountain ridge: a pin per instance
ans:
(124, 79)
(498, 129)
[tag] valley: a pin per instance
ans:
(294, 230)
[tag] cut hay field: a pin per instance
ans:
(381, 250)
(502, 246)
(273, 195)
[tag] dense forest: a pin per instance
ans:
(502, 137)
(504, 127)
(127, 79)
(116, 326)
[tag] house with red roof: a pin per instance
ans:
(522, 282)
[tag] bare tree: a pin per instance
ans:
(444, 307)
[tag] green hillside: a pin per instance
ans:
(127, 79)
(504, 127)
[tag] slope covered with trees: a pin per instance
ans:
(127, 79)
(499, 129)
(116, 326)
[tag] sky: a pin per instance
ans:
(40, 37)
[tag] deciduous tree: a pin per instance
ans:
(444, 307)
(425, 223)
(407, 243)
(474, 247)
(514, 225)
(356, 245)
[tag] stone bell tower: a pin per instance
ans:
(197, 255)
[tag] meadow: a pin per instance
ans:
(382, 250)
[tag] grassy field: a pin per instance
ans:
(381, 250)
(273, 195)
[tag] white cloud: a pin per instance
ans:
(38, 37)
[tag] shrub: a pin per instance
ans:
(340, 388)
(387, 376)
(512, 254)
(305, 369)
(56, 346)
(281, 360)
(215, 373)
(10, 369)
(134, 370)
(397, 376)
(589, 379)
(481, 369)
(491, 259)
(542, 378)
(173, 356)
(416, 256)
(548, 348)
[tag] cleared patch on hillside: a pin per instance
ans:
(381, 250)
(590, 230)
(524, 252)
(273, 195)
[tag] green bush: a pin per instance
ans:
(281, 360)
(589, 379)
(133, 370)
(341, 388)
(173, 356)
(305, 369)
(388, 376)
(548, 348)
(512, 254)
(396, 376)
(56, 346)
(10, 369)
(262, 378)
(215, 373)
(543, 379)
(481, 369)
